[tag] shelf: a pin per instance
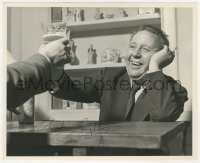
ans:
(113, 23)
(94, 66)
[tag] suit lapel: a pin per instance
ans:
(120, 96)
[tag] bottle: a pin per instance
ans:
(92, 55)
(78, 15)
(27, 112)
(98, 14)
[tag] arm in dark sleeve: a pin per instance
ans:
(86, 89)
(166, 97)
(26, 79)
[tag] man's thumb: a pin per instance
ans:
(65, 39)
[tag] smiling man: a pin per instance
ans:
(143, 45)
(139, 92)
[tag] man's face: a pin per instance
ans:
(141, 48)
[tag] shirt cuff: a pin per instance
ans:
(46, 57)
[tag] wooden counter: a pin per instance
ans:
(135, 135)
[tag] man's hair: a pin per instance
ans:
(157, 31)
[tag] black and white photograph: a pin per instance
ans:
(100, 79)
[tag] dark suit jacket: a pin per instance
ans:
(162, 100)
(26, 79)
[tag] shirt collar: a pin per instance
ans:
(132, 83)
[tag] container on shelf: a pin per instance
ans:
(146, 10)
(92, 56)
(110, 55)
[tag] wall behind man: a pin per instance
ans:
(186, 53)
(24, 30)
(184, 39)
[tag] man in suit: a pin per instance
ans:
(28, 78)
(158, 98)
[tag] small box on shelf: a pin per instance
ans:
(66, 104)
(94, 105)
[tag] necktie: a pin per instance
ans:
(131, 102)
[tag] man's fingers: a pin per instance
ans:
(166, 48)
(41, 46)
(64, 40)
(14, 110)
(172, 55)
(67, 49)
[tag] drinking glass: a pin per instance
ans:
(54, 30)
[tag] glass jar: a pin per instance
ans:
(110, 55)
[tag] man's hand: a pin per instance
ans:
(14, 110)
(161, 59)
(57, 52)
